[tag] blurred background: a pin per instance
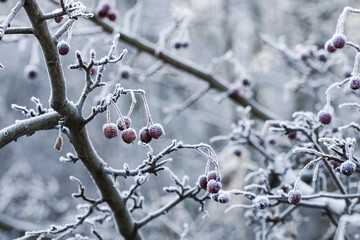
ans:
(262, 41)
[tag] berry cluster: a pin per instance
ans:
(211, 182)
(179, 43)
(104, 11)
(338, 40)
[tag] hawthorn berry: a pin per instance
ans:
(145, 135)
(261, 202)
(110, 130)
(294, 197)
(58, 19)
(213, 175)
(215, 196)
(330, 47)
(63, 47)
(347, 168)
(237, 152)
(292, 135)
(123, 125)
(339, 40)
(246, 82)
(156, 131)
(128, 135)
(355, 83)
(324, 117)
(111, 16)
(31, 71)
(224, 197)
(323, 57)
(202, 182)
(101, 13)
(213, 186)
(106, 7)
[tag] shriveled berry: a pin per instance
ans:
(213, 186)
(156, 131)
(111, 16)
(347, 168)
(128, 135)
(145, 135)
(213, 175)
(324, 117)
(58, 19)
(123, 125)
(202, 182)
(110, 130)
(339, 40)
(224, 197)
(355, 83)
(237, 152)
(330, 47)
(63, 47)
(31, 71)
(294, 197)
(292, 135)
(261, 202)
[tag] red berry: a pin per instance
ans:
(324, 117)
(322, 55)
(292, 135)
(63, 47)
(339, 40)
(347, 168)
(224, 197)
(101, 13)
(355, 83)
(329, 46)
(177, 44)
(294, 197)
(128, 135)
(156, 131)
(213, 175)
(121, 125)
(185, 44)
(213, 186)
(202, 182)
(145, 135)
(261, 202)
(111, 16)
(159, 53)
(106, 7)
(58, 19)
(31, 71)
(246, 82)
(237, 152)
(110, 130)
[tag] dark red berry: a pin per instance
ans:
(355, 83)
(125, 74)
(63, 47)
(101, 13)
(261, 202)
(347, 168)
(213, 175)
(202, 182)
(128, 135)
(177, 44)
(123, 125)
(272, 141)
(324, 117)
(305, 55)
(110, 130)
(145, 135)
(294, 197)
(339, 40)
(156, 131)
(31, 71)
(322, 55)
(213, 186)
(246, 82)
(347, 73)
(224, 197)
(106, 7)
(335, 129)
(111, 16)
(159, 53)
(329, 46)
(292, 135)
(58, 19)
(237, 152)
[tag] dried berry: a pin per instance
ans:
(128, 135)
(110, 130)
(261, 202)
(213, 186)
(339, 40)
(58, 19)
(347, 168)
(145, 135)
(213, 175)
(202, 182)
(355, 83)
(224, 197)
(330, 47)
(156, 131)
(63, 47)
(121, 125)
(324, 117)
(237, 152)
(294, 197)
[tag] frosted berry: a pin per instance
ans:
(339, 40)
(63, 47)
(324, 117)
(237, 152)
(261, 202)
(156, 131)
(111, 16)
(202, 182)
(213, 175)
(128, 135)
(58, 19)
(323, 57)
(110, 130)
(215, 196)
(224, 197)
(294, 197)
(330, 47)
(121, 125)
(347, 168)
(213, 186)
(145, 135)
(31, 71)
(355, 83)
(292, 135)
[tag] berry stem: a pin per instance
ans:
(69, 32)
(304, 169)
(356, 64)
(108, 113)
(133, 102)
(327, 92)
(149, 121)
(118, 111)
